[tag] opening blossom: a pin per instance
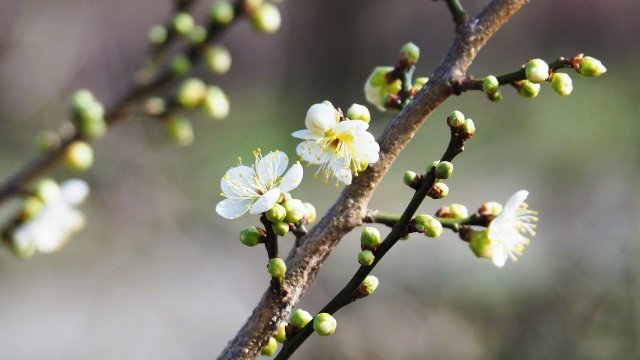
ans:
(341, 148)
(257, 188)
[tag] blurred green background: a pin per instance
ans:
(157, 274)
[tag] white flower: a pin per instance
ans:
(55, 223)
(341, 148)
(505, 231)
(376, 88)
(257, 188)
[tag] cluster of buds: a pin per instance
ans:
(369, 242)
(442, 170)
(427, 225)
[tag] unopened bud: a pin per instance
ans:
(370, 238)
(277, 268)
(218, 59)
(222, 12)
(458, 211)
(180, 130)
(280, 228)
(495, 97)
(276, 213)
(158, 35)
(266, 18)
(409, 178)
(444, 169)
(455, 119)
(154, 106)
(480, 244)
(561, 83)
(490, 84)
(295, 210)
(251, 236)
(309, 212)
(369, 285)
(300, 318)
(183, 23)
(366, 257)
(528, 90)
(324, 324)
(358, 112)
(198, 34)
(438, 191)
(428, 225)
(281, 334)
(536, 71)
(78, 156)
(418, 83)
(270, 348)
(192, 92)
(180, 65)
(590, 67)
(432, 166)
(31, 207)
(469, 127)
(411, 51)
(47, 190)
(216, 103)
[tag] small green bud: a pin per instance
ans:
(309, 212)
(561, 83)
(300, 318)
(490, 208)
(277, 268)
(180, 65)
(31, 207)
(154, 106)
(590, 67)
(469, 127)
(295, 210)
(411, 51)
(222, 12)
(490, 84)
(480, 244)
(92, 123)
(198, 34)
(78, 156)
(428, 225)
(370, 238)
(409, 178)
(366, 257)
(192, 92)
(369, 285)
(280, 228)
(216, 103)
(180, 130)
(82, 99)
(47, 190)
(359, 112)
(528, 89)
(158, 34)
(495, 97)
(281, 334)
(183, 23)
(431, 166)
(270, 348)
(420, 82)
(536, 71)
(266, 18)
(251, 236)
(455, 119)
(324, 324)
(438, 191)
(458, 211)
(444, 169)
(218, 59)
(276, 213)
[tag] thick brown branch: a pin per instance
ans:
(304, 262)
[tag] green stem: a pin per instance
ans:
(459, 15)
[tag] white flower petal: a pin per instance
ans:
(272, 165)
(265, 202)
(232, 209)
(320, 118)
(236, 179)
(515, 201)
(306, 134)
(292, 178)
(499, 257)
(74, 191)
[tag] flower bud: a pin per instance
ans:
(490, 84)
(444, 169)
(266, 18)
(21, 246)
(281, 334)
(561, 83)
(277, 268)
(276, 213)
(431, 166)
(295, 210)
(590, 67)
(536, 71)
(495, 97)
(409, 178)
(218, 59)
(438, 191)
(198, 34)
(251, 236)
(418, 83)
(411, 51)
(47, 190)
(192, 92)
(366, 257)
(491, 208)
(180, 130)
(31, 207)
(182, 23)
(309, 212)
(376, 88)
(270, 348)
(321, 118)
(324, 324)
(154, 106)
(82, 99)
(370, 238)
(480, 244)
(158, 35)
(458, 211)
(369, 285)
(358, 112)
(469, 127)
(300, 318)
(280, 228)
(455, 119)
(180, 65)
(528, 89)
(428, 225)
(221, 12)
(78, 156)
(216, 103)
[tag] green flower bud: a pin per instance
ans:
(490, 84)
(82, 99)
(324, 324)
(180, 130)
(444, 169)
(409, 178)
(428, 225)
(222, 12)
(192, 92)
(89, 114)
(495, 97)
(78, 156)
(183, 23)
(154, 106)
(216, 103)
(295, 210)
(31, 207)
(420, 82)
(536, 71)
(276, 213)
(370, 238)
(431, 166)
(281, 334)
(309, 212)
(280, 228)
(469, 127)
(358, 112)
(366, 257)
(198, 34)
(277, 268)
(490, 208)
(22, 248)
(180, 65)
(158, 34)
(438, 191)
(480, 244)
(528, 89)
(270, 348)
(251, 236)
(458, 211)
(590, 67)
(300, 318)
(561, 83)
(218, 59)
(266, 18)
(456, 119)
(47, 190)
(369, 285)
(411, 51)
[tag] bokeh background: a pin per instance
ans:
(157, 274)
